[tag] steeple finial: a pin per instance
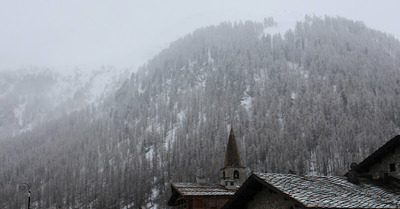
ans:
(232, 157)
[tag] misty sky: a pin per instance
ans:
(126, 33)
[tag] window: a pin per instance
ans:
(392, 167)
(236, 174)
(223, 175)
(231, 183)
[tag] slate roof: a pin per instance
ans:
(319, 191)
(332, 192)
(194, 189)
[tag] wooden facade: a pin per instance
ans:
(198, 195)
(200, 202)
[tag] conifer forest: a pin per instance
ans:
(312, 99)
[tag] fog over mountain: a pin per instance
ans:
(312, 99)
(128, 33)
(34, 95)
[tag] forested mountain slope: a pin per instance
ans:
(32, 95)
(312, 100)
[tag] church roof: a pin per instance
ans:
(232, 157)
(320, 191)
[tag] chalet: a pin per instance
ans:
(204, 195)
(374, 183)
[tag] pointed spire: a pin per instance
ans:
(232, 157)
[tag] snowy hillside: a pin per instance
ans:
(315, 99)
(31, 96)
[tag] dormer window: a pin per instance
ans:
(236, 174)
(392, 167)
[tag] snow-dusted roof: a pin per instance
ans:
(196, 189)
(333, 192)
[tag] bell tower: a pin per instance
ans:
(233, 174)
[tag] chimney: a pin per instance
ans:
(352, 176)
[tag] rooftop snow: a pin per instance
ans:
(194, 189)
(333, 192)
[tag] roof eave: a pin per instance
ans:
(269, 186)
(175, 194)
(244, 192)
(378, 154)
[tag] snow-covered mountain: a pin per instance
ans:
(314, 99)
(34, 95)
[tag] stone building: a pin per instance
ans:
(204, 195)
(383, 164)
(371, 184)
(270, 190)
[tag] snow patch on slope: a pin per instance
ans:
(247, 99)
(105, 83)
(35, 95)
(18, 112)
(293, 95)
(150, 153)
(170, 138)
(95, 84)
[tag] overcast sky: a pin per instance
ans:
(126, 33)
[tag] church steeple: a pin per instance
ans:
(232, 157)
(233, 174)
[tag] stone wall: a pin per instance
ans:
(229, 172)
(390, 164)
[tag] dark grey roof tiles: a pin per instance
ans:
(332, 192)
(194, 189)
